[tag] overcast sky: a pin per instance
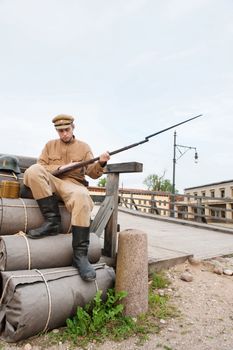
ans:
(124, 69)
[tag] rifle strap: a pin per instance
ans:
(83, 182)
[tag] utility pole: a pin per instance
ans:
(182, 150)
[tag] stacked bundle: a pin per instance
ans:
(23, 214)
(39, 288)
(34, 301)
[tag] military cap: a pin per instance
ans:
(62, 121)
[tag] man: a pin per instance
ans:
(70, 187)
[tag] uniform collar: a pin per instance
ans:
(70, 142)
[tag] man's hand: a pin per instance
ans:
(104, 157)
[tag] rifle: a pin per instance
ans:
(93, 160)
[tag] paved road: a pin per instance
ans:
(167, 240)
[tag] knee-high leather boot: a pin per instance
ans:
(50, 211)
(80, 244)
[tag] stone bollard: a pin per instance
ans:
(132, 271)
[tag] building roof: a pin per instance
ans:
(209, 185)
(130, 190)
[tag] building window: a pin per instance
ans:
(222, 192)
(212, 193)
(195, 194)
(203, 194)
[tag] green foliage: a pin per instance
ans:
(102, 182)
(99, 319)
(105, 319)
(160, 306)
(159, 280)
(158, 183)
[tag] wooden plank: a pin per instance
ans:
(130, 167)
(103, 215)
(110, 237)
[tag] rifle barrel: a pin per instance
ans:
(128, 147)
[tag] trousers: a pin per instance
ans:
(74, 195)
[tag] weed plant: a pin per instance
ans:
(104, 319)
(100, 319)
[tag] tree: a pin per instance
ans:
(158, 183)
(102, 182)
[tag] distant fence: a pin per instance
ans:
(187, 207)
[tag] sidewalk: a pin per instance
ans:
(170, 242)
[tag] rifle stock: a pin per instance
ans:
(59, 172)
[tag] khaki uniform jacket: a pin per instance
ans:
(57, 153)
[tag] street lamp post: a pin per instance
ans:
(182, 150)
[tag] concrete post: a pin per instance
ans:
(132, 271)
(228, 213)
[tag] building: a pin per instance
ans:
(223, 189)
(146, 201)
(213, 201)
(137, 199)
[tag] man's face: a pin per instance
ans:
(66, 134)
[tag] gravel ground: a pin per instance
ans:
(206, 313)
